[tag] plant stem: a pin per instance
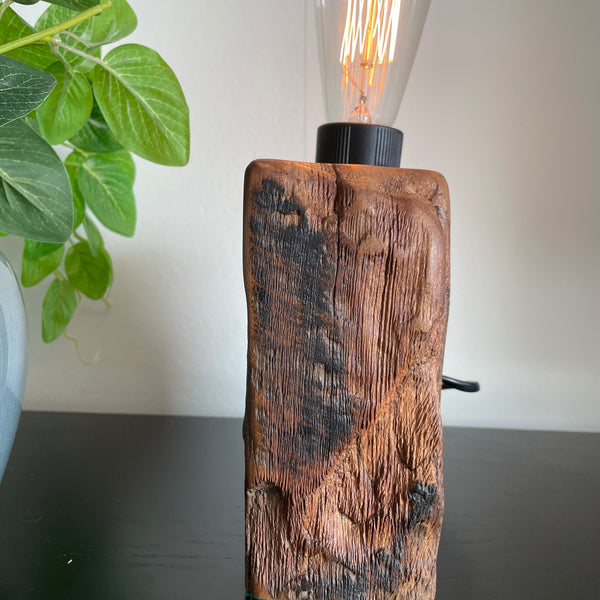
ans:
(87, 363)
(62, 59)
(78, 38)
(106, 298)
(4, 6)
(87, 56)
(75, 149)
(80, 53)
(46, 34)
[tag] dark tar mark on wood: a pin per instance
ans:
(422, 497)
(346, 585)
(294, 269)
(388, 568)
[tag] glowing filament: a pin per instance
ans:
(368, 46)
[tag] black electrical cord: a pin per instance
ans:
(459, 384)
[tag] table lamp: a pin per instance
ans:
(366, 49)
(346, 270)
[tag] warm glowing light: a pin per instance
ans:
(368, 46)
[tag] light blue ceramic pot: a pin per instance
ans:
(13, 358)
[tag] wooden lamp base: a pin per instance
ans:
(346, 270)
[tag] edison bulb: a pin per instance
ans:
(367, 48)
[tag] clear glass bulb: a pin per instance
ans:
(367, 48)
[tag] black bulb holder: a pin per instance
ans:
(359, 144)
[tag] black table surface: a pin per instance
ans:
(118, 507)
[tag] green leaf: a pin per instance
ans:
(39, 260)
(95, 136)
(26, 1)
(13, 27)
(111, 25)
(78, 208)
(31, 121)
(35, 193)
(58, 307)
(93, 235)
(90, 274)
(54, 15)
(143, 104)
(72, 163)
(67, 108)
(22, 89)
(106, 184)
(77, 5)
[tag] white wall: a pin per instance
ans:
(503, 100)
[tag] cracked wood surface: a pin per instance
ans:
(346, 271)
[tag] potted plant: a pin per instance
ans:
(60, 91)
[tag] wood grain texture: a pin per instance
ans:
(347, 279)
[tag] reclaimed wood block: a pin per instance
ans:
(346, 271)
